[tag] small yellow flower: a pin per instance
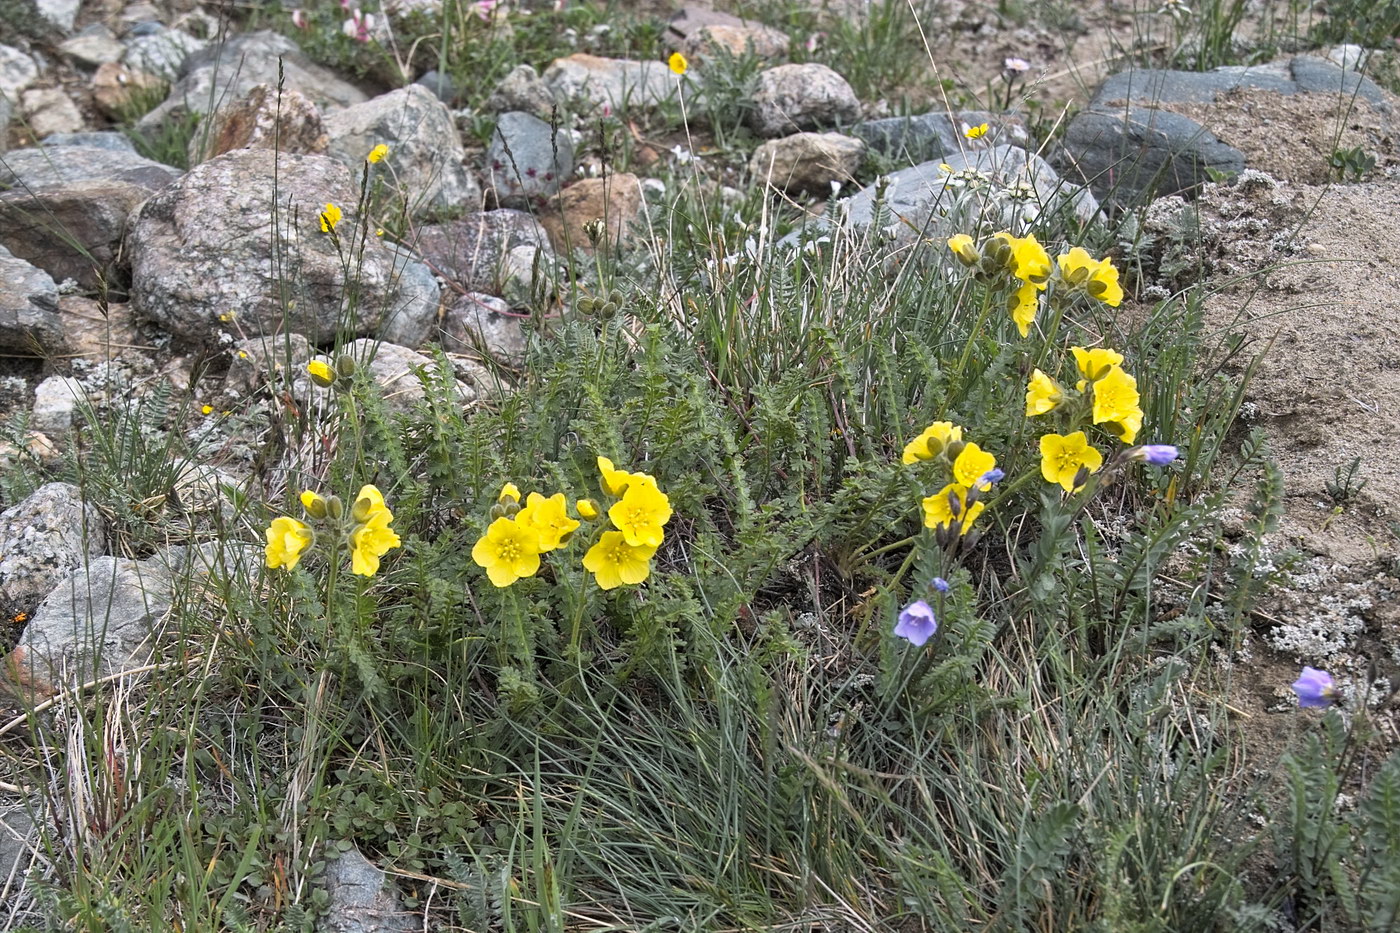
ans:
(949, 505)
(965, 249)
(510, 492)
(314, 504)
(1029, 260)
(976, 132)
(287, 538)
(321, 373)
(1095, 363)
(377, 154)
(371, 540)
(1098, 278)
(587, 509)
(641, 513)
(242, 354)
(329, 218)
(972, 464)
(613, 561)
(1116, 404)
(207, 409)
(1024, 303)
(507, 552)
(1063, 456)
(678, 63)
(227, 316)
(614, 480)
(1042, 394)
(369, 502)
(931, 442)
(549, 519)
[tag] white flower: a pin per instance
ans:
(1014, 65)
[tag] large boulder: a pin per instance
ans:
(242, 231)
(224, 72)
(425, 156)
(43, 540)
(527, 160)
(588, 82)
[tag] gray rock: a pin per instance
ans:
(1132, 156)
(7, 112)
(162, 52)
(395, 370)
(55, 401)
(49, 110)
(17, 71)
(807, 161)
(186, 270)
(35, 168)
(409, 326)
(43, 540)
(71, 231)
(481, 324)
(1348, 57)
(277, 359)
(21, 849)
(916, 197)
(61, 13)
(527, 159)
(442, 86)
(470, 252)
(97, 622)
(587, 82)
(523, 90)
(703, 33)
(808, 96)
(361, 900)
(96, 330)
(111, 141)
(425, 153)
(1305, 73)
(228, 71)
(29, 321)
(1319, 76)
(933, 135)
(95, 45)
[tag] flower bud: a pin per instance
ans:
(345, 366)
(509, 493)
(314, 504)
(1081, 476)
(1155, 454)
(595, 230)
(498, 511)
(963, 248)
(950, 452)
(587, 509)
(321, 373)
(335, 508)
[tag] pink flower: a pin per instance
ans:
(485, 9)
(358, 26)
(299, 19)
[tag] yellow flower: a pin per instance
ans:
(931, 443)
(371, 540)
(508, 551)
(641, 513)
(614, 480)
(207, 409)
(1029, 260)
(1025, 301)
(1042, 394)
(1062, 457)
(369, 502)
(314, 504)
(949, 505)
(510, 492)
(587, 509)
(976, 132)
(321, 373)
(1116, 403)
(286, 539)
(1095, 363)
(377, 154)
(965, 249)
(549, 519)
(678, 66)
(972, 464)
(613, 561)
(329, 218)
(1097, 278)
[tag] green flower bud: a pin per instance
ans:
(345, 366)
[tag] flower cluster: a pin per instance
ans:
(511, 547)
(952, 510)
(365, 532)
(1031, 272)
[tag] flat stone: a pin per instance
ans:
(94, 46)
(161, 53)
(115, 87)
(527, 159)
(18, 70)
(276, 359)
(615, 200)
(482, 325)
(43, 540)
(112, 141)
(92, 330)
(522, 90)
(1132, 156)
(1145, 87)
(71, 231)
(361, 899)
(55, 401)
(411, 325)
(395, 370)
(62, 13)
(66, 165)
(49, 110)
(470, 252)
(590, 82)
(932, 135)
